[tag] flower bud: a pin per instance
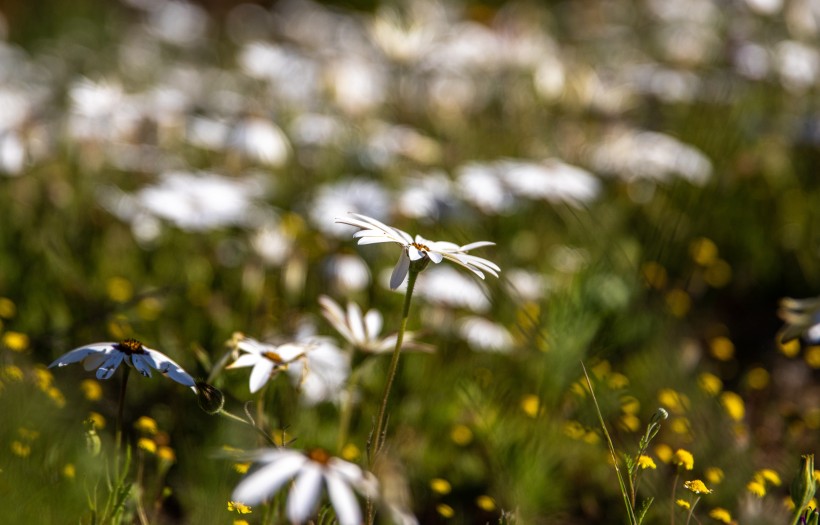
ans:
(804, 485)
(93, 443)
(210, 399)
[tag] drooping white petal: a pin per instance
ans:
(305, 493)
(355, 322)
(263, 483)
(260, 374)
(78, 354)
(343, 500)
(168, 367)
(373, 324)
(139, 362)
(107, 369)
(400, 271)
(414, 253)
(435, 256)
(376, 240)
(290, 352)
(93, 361)
(253, 346)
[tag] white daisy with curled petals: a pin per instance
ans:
(267, 360)
(363, 330)
(373, 231)
(106, 357)
(311, 470)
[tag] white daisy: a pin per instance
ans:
(374, 231)
(315, 364)
(311, 470)
(106, 357)
(363, 330)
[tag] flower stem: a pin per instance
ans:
(377, 438)
(120, 428)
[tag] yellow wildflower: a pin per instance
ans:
(146, 425)
(574, 429)
(770, 476)
(630, 422)
(240, 522)
(69, 471)
(646, 462)
(703, 251)
(461, 435)
(630, 405)
(91, 389)
(119, 289)
(12, 373)
(15, 341)
(714, 475)
(56, 395)
(98, 420)
(43, 378)
(710, 383)
(241, 467)
(7, 308)
(684, 458)
(757, 488)
(672, 400)
(351, 452)
(733, 404)
(790, 348)
(682, 503)
(446, 511)
(147, 445)
(678, 302)
(812, 356)
(531, 405)
(18, 448)
(166, 453)
(239, 508)
(697, 486)
(617, 381)
(721, 515)
(486, 503)
(722, 348)
(440, 486)
(758, 378)
(664, 452)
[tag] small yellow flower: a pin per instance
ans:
(146, 425)
(722, 348)
(790, 348)
(721, 515)
(69, 471)
(167, 454)
(241, 468)
(446, 511)
(240, 522)
(18, 448)
(147, 445)
(12, 373)
(56, 395)
(697, 486)
(758, 378)
(461, 435)
(530, 404)
(646, 462)
(718, 274)
(574, 430)
(682, 503)
(43, 378)
(673, 401)
(678, 302)
(684, 458)
(714, 475)
(486, 503)
(733, 404)
(98, 420)
(91, 389)
(351, 452)
(664, 452)
(703, 251)
(7, 308)
(630, 405)
(630, 422)
(440, 486)
(710, 383)
(119, 289)
(770, 476)
(239, 508)
(617, 381)
(812, 356)
(757, 488)
(15, 341)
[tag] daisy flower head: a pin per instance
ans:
(311, 470)
(362, 330)
(266, 359)
(418, 249)
(106, 357)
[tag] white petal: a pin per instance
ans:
(414, 253)
(245, 360)
(435, 257)
(376, 240)
(343, 500)
(93, 361)
(260, 374)
(107, 369)
(290, 352)
(373, 324)
(78, 354)
(355, 322)
(400, 271)
(253, 346)
(263, 483)
(336, 317)
(139, 362)
(305, 493)
(169, 367)
(474, 245)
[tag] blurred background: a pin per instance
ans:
(171, 170)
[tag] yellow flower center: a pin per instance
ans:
(130, 346)
(420, 247)
(273, 356)
(319, 455)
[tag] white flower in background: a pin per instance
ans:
(262, 141)
(273, 243)
(480, 185)
(802, 318)
(484, 335)
(101, 111)
(551, 180)
(178, 22)
(373, 231)
(348, 273)
(193, 201)
(363, 331)
(312, 470)
(357, 194)
(444, 286)
(106, 357)
(526, 286)
(315, 364)
(427, 195)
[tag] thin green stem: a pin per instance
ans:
(120, 428)
(672, 503)
(692, 510)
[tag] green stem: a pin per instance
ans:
(674, 490)
(377, 438)
(692, 510)
(120, 428)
